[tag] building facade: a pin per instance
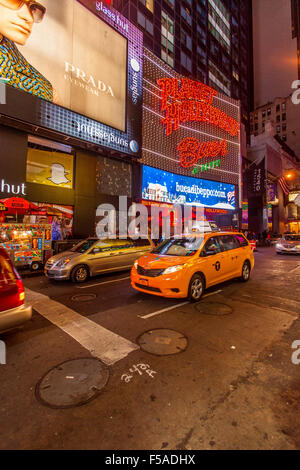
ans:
(271, 176)
(275, 48)
(64, 152)
(207, 40)
(191, 146)
(283, 114)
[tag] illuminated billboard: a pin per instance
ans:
(190, 129)
(162, 186)
(83, 60)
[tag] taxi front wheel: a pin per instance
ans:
(196, 288)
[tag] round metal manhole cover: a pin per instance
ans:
(213, 308)
(162, 342)
(72, 383)
(84, 297)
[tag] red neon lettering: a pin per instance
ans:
(195, 104)
(171, 121)
(191, 150)
(187, 149)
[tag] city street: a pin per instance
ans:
(219, 375)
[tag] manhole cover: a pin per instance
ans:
(83, 297)
(213, 308)
(162, 342)
(72, 383)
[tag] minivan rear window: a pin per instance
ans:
(242, 241)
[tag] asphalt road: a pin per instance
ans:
(230, 384)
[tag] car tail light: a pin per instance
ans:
(21, 291)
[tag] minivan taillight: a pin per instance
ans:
(21, 291)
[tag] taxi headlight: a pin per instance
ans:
(279, 245)
(173, 269)
(135, 264)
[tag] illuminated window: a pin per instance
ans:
(167, 39)
(201, 55)
(236, 75)
(170, 3)
(186, 61)
(145, 23)
(148, 4)
(218, 79)
(284, 138)
(202, 13)
(218, 23)
(201, 34)
(186, 40)
(185, 13)
(283, 106)
(278, 129)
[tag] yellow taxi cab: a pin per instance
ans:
(184, 266)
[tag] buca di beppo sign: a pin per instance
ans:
(188, 100)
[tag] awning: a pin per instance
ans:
(17, 205)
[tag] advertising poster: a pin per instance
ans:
(159, 185)
(80, 61)
(50, 168)
(82, 56)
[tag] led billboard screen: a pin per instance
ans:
(162, 186)
(83, 57)
(189, 127)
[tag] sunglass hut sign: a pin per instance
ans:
(186, 100)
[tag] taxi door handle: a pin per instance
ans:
(234, 257)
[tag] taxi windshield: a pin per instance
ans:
(187, 246)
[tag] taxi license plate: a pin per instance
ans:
(144, 282)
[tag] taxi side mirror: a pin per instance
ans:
(208, 253)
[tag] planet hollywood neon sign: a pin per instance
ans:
(187, 100)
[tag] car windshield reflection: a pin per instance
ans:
(187, 246)
(82, 247)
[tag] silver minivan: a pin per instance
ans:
(93, 256)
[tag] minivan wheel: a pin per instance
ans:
(79, 274)
(246, 271)
(196, 288)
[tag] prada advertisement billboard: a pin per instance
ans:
(74, 55)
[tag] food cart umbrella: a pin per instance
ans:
(17, 205)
